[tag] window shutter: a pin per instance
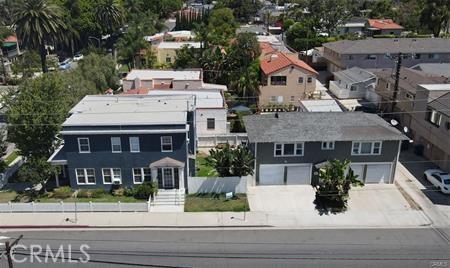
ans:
(160, 182)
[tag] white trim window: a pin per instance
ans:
(328, 145)
(288, 149)
(166, 144)
(110, 175)
(83, 145)
(366, 147)
(116, 145)
(141, 174)
(210, 123)
(134, 145)
(85, 176)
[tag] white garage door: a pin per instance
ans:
(271, 175)
(358, 169)
(298, 175)
(378, 173)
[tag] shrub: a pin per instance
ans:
(118, 192)
(97, 193)
(145, 190)
(83, 193)
(129, 192)
(62, 192)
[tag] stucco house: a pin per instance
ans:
(353, 83)
(127, 140)
(289, 148)
(383, 27)
(285, 80)
(166, 52)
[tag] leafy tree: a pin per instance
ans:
(36, 170)
(109, 15)
(27, 64)
(230, 161)
(39, 23)
(244, 10)
(288, 23)
(164, 8)
(148, 59)
(382, 9)
(243, 51)
(246, 84)
(3, 147)
(328, 14)
(221, 27)
(4, 33)
(187, 57)
(336, 179)
(435, 15)
(100, 70)
(35, 114)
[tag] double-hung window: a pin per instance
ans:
(278, 80)
(116, 145)
(366, 148)
(328, 145)
(134, 145)
(289, 149)
(85, 175)
(111, 175)
(166, 144)
(210, 123)
(300, 80)
(83, 145)
(309, 80)
(141, 174)
(434, 117)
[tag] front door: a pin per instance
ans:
(168, 178)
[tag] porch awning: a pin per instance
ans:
(58, 158)
(167, 162)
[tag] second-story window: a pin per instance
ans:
(288, 149)
(116, 145)
(434, 117)
(371, 57)
(300, 80)
(328, 145)
(134, 145)
(211, 123)
(366, 148)
(166, 144)
(309, 79)
(278, 80)
(83, 145)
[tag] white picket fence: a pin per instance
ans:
(72, 207)
(211, 141)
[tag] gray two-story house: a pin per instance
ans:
(127, 140)
(374, 53)
(290, 148)
(353, 83)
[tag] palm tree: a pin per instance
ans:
(109, 15)
(38, 24)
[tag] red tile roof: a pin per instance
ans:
(140, 91)
(11, 39)
(388, 24)
(279, 60)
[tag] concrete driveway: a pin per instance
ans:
(375, 205)
(417, 165)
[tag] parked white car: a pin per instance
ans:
(78, 57)
(439, 179)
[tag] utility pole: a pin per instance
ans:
(397, 80)
(9, 246)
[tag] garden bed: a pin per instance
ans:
(212, 202)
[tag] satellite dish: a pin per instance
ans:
(394, 122)
(405, 129)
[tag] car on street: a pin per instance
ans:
(65, 65)
(439, 178)
(78, 57)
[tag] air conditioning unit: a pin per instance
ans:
(117, 182)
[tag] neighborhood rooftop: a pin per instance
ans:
(279, 60)
(390, 45)
(106, 110)
(203, 98)
(178, 45)
(319, 126)
(194, 74)
(441, 104)
(356, 74)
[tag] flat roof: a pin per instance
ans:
(203, 98)
(437, 87)
(178, 45)
(114, 110)
(321, 105)
(356, 74)
(149, 74)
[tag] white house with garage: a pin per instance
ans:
(290, 148)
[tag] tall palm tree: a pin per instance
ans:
(39, 23)
(109, 15)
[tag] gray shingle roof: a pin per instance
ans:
(442, 104)
(327, 126)
(356, 74)
(441, 69)
(390, 45)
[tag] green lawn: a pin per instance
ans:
(205, 203)
(203, 169)
(7, 196)
(11, 157)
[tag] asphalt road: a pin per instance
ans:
(241, 248)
